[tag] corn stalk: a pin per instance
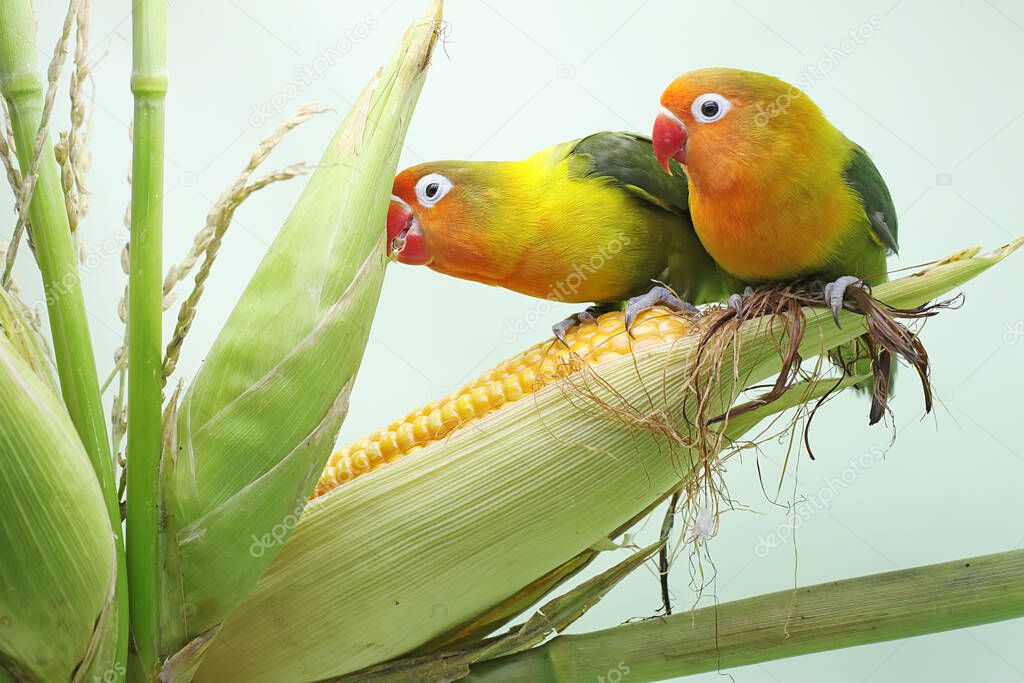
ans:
(145, 298)
(446, 533)
(838, 614)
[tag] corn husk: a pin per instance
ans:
(57, 567)
(451, 657)
(398, 558)
(20, 329)
(251, 434)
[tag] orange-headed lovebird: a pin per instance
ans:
(776, 191)
(591, 220)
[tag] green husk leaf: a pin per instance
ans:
(256, 425)
(399, 558)
(20, 329)
(554, 616)
(57, 573)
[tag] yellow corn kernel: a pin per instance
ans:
(405, 436)
(389, 446)
(435, 423)
(593, 342)
(421, 429)
(495, 393)
(481, 402)
(373, 454)
(510, 387)
(464, 407)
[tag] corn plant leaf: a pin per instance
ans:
(58, 569)
(399, 558)
(256, 425)
(558, 614)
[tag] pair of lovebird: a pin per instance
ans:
(744, 182)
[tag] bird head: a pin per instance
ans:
(720, 122)
(440, 216)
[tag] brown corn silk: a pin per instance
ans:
(590, 342)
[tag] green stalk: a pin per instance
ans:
(149, 86)
(829, 616)
(22, 86)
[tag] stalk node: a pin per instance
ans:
(23, 84)
(149, 84)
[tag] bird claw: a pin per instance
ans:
(736, 300)
(560, 328)
(659, 295)
(585, 316)
(835, 292)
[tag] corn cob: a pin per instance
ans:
(591, 342)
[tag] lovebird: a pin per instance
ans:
(776, 192)
(590, 220)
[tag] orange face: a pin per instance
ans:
(438, 216)
(722, 123)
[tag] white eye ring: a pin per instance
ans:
(710, 107)
(432, 188)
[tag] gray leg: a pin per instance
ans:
(836, 291)
(658, 296)
(736, 300)
(589, 314)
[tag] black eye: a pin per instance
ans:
(709, 107)
(431, 188)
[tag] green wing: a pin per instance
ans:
(862, 175)
(628, 159)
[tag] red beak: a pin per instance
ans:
(405, 235)
(400, 217)
(669, 137)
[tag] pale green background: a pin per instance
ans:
(934, 94)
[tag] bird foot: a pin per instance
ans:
(585, 316)
(835, 292)
(736, 301)
(659, 295)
